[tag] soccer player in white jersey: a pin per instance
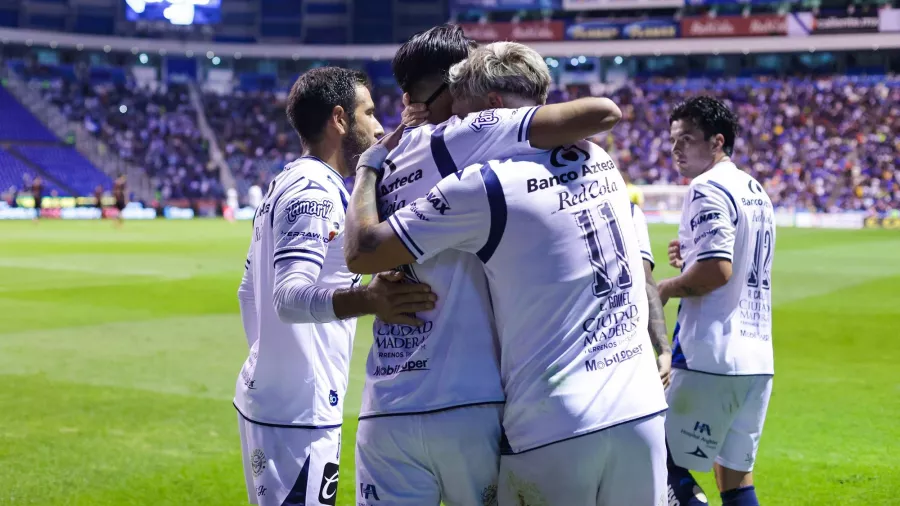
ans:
(436, 389)
(299, 301)
(722, 358)
(583, 416)
(656, 323)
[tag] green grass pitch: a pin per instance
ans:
(119, 351)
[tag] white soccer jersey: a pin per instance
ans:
(452, 359)
(643, 234)
(727, 214)
(296, 374)
(556, 235)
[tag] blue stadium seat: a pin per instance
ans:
(19, 124)
(67, 166)
(14, 172)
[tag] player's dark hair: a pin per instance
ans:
(430, 53)
(315, 95)
(711, 116)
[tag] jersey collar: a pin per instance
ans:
(336, 173)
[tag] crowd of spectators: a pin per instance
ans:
(151, 127)
(824, 144)
(257, 139)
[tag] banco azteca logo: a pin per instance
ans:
(568, 155)
(258, 462)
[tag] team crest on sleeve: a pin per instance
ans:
(484, 119)
(317, 208)
(258, 462)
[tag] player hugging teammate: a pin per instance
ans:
(530, 378)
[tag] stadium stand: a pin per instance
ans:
(822, 143)
(31, 150)
(153, 128)
(18, 124)
(67, 166)
(14, 173)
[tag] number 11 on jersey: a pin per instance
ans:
(602, 283)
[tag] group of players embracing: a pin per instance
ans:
(520, 354)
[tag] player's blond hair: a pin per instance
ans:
(501, 67)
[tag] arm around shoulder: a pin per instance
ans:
(569, 122)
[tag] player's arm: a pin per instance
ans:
(450, 216)
(656, 325)
(569, 122)
(301, 244)
(247, 302)
(370, 245)
(713, 220)
(488, 134)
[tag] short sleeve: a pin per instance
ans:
(643, 234)
(713, 218)
(486, 135)
(302, 223)
(454, 215)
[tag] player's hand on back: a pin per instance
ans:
(377, 153)
(675, 259)
(413, 114)
(394, 301)
(391, 140)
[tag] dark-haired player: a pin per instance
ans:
(299, 302)
(722, 359)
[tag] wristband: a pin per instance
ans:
(373, 158)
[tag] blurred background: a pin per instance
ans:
(186, 97)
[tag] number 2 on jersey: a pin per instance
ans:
(602, 283)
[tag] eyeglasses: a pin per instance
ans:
(442, 88)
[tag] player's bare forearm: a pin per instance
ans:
(567, 123)
(370, 246)
(700, 279)
(657, 322)
(352, 302)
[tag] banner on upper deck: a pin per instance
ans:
(521, 32)
(807, 23)
(585, 5)
(734, 26)
(505, 5)
(632, 30)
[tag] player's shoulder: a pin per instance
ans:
(484, 120)
(413, 135)
(308, 177)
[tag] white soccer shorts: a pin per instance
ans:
(622, 465)
(424, 459)
(290, 466)
(716, 418)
